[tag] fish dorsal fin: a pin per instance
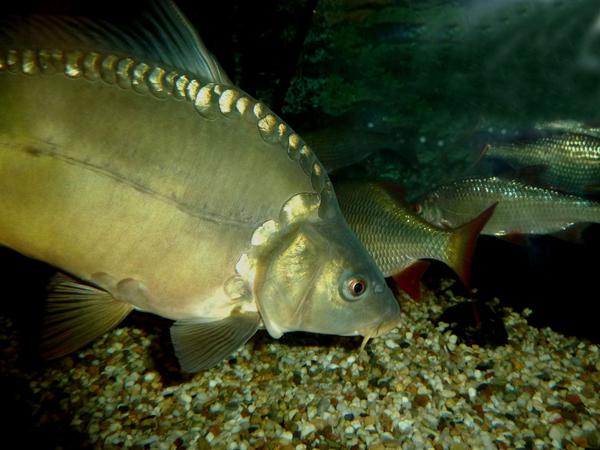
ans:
(161, 35)
(175, 41)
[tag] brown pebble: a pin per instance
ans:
(588, 391)
(386, 423)
(570, 414)
(327, 431)
(378, 446)
(369, 420)
(478, 409)
(411, 389)
(333, 401)
(215, 430)
(529, 389)
(93, 370)
(574, 399)
(581, 441)
(487, 392)
(265, 358)
(517, 364)
(420, 401)
(265, 376)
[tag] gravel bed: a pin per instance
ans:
(415, 388)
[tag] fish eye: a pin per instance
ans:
(418, 208)
(354, 288)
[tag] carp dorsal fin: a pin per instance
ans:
(76, 314)
(201, 344)
(160, 35)
(178, 44)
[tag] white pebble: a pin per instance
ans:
(286, 436)
(404, 426)
(472, 393)
(557, 433)
(149, 376)
(186, 399)
(306, 429)
(390, 343)
(446, 393)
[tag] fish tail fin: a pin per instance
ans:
(77, 314)
(462, 245)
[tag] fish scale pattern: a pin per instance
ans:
(209, 99)
(394, 236)
(568, 161)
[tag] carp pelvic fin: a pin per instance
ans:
(200, 344)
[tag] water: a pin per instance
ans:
(406, 91)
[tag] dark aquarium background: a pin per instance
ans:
(408, 91)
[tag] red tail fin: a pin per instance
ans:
(462, 245)
(409, 280)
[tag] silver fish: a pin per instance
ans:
(567, 159)
(398, 238)
(522, 208)
(158, 186)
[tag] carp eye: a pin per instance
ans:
(354, 288)
(418, 208)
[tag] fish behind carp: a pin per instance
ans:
(399, 239)
(565, 157)
(522, 208)
(158, 186)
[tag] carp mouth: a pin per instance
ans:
(380, 329)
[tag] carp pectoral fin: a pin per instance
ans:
(200, 345)
(76, 314)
